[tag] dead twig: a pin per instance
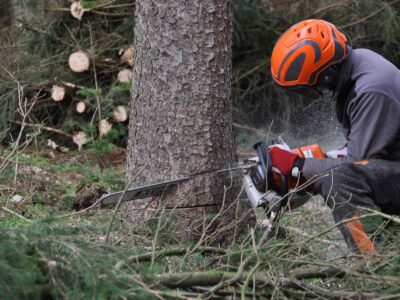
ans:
(195, 279)
(16, 214)
(173, 252)
(46, 128)
(119, 203)
(369, 16)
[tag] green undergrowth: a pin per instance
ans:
(38, 188)
(54, 261)
(44, 262)
(48, 251)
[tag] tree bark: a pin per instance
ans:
(6, 13)
(180, 122)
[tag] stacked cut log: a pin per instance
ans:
(90, 89)
(120, 113)
(81, 107)
(79, 61)
(58, 93)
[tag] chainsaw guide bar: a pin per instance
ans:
(150, 190)
(157, 189)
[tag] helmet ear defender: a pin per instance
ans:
(328, 78)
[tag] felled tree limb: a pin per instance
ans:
(189, 279)
(30, 28)
(173, 251)
(326, 293)
(214, 277)
(192, 279)
(16, 214)
(317, 272)
(46, 128)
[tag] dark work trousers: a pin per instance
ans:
(372, 185)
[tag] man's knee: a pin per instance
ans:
(344, 189)
(330, 183)
(345, 185)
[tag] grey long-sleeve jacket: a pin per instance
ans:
(368, 107)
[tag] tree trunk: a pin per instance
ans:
(180, 122)
(5, 13)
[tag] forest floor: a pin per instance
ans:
(47, 248)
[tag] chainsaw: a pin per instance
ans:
(264, 185)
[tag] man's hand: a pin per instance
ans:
(286, 162)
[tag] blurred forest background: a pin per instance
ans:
(76, 107)
(65, 79)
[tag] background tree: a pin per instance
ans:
(37, 53)
(180, 123)
(5, 13)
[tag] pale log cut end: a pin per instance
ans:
(79, 62)
(57, 93)
(81, 107)
(52, 144)
(105, 127)
(80, 139)
(125, 75)
(120, 113)
(77, 10)
(128, 55)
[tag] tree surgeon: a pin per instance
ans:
(313, 57)
(180, 122)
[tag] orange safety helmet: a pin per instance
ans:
(305, 50)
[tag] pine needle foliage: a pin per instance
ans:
(45, 42)
(54, 260)
(39, 263)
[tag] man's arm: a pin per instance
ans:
(375, 123)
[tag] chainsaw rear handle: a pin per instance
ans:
(264, 170)
(263, 157)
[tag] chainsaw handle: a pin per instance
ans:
(262, 153)
(266, 167)
(284, 186)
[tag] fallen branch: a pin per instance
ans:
(174, 251)
(195, 279)
(308, 273)
(30, 28)
(16, 214)
(383, 215)
(39, 126)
